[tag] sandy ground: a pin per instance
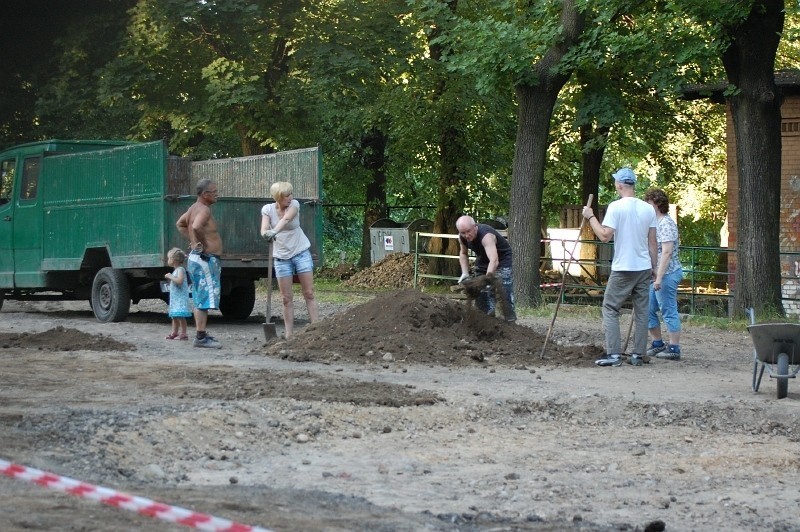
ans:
(366, 434)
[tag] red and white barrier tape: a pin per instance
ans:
(114, 498)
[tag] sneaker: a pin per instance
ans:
(635, 360)
(208, 341)
(672, 353)
(609, 360)
(656, 349)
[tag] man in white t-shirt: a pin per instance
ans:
(632, 224)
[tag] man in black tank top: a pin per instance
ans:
(492, 255)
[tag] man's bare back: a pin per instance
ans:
(197, 224)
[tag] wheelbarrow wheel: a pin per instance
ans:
(783, 380)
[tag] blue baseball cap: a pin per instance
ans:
(625, 175)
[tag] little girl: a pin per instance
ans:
(179, 308)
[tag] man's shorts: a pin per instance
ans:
(204, 271)
(301, 263)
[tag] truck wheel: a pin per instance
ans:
(2, 298)
(239, 303)
(111, 295)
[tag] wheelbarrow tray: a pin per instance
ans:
(776, 344)
(772, 339)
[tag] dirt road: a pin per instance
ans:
(388, 416)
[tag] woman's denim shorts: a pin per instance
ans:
(300, 263)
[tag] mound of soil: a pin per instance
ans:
(411, 327)
(393, 271)
(63, 339)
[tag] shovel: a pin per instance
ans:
(269, 327)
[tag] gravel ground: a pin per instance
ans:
(257, 434)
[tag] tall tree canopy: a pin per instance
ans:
(428, 101)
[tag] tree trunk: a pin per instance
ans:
(592, 159)
(536, 101)
(527, 186)
(373, 158)
(749, 64)
(447, 212)
(451, 195)
(250, 146)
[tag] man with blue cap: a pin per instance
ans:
(631, 223)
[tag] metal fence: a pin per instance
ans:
(251, 177)
(704, 289)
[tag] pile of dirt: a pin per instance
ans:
(62, 339)
(342, 272)
(393, 271)
(407, 326)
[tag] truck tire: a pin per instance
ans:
(239, 303)
(2, 298)
(111, 295)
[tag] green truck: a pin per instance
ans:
(93, 220)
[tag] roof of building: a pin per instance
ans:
(788, 81)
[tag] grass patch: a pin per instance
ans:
(714, 322)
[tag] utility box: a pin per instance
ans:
(388, 236)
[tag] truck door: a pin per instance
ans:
(27, 227)
(7, 167)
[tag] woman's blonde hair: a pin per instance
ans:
(176, 256)
(280, 189)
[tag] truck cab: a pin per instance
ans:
(21, 210)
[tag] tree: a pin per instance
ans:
(207, 75)
(536, 94)
(399, 127)
(349, 84)
(49, 64)
(453, 153)
(749, 61)
(524, 47)
(69, 103)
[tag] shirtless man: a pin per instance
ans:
(197, 224)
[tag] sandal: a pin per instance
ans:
(184, 337)
(171, 336)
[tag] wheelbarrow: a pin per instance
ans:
(777, 348)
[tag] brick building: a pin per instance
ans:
(788, 83)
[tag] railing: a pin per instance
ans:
(704, 283)
(418, 254)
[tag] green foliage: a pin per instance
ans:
(66, 104)
(206, 74)
(349, 81)
(225, 78)
(789, 48)
(342, 234)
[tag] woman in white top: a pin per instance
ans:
(280, 224)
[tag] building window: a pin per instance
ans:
(790, 128)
